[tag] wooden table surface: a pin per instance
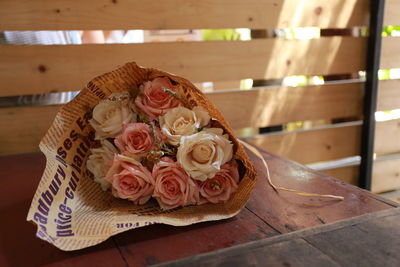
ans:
(371, 239)
(267, 214)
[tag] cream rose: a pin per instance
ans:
(203, 153)
(111, 114)
(181, 121)
(99, 162)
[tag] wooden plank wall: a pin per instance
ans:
(386, 170)
(176, 14)
(309, 146)
(67, 68)
(40, 69)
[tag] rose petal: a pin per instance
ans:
(173, 186)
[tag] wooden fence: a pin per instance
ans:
(38, 69)
(386, 170)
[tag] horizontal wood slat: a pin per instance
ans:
(391, 15)
(242, 109)
(43, 69)
(176, 14)
(387, 137)
(390, 52)
(313, 145)
(226, 85)
(386, 175)
(388, 94)
(265, 107)
(23, 128)
(346, 174)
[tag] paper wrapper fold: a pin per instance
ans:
(72, 212)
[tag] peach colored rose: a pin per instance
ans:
(219, 188)
(181, 121)
(203, 153)
(100, 161)
(110, 114)
(156, 99)
(136, 139)
(130, 181)
(173, 188)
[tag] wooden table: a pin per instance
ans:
(372, 239)
(267, 214)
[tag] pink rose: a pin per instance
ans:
(155, 100)
(173, 187)
(130, 181)
(219, 188)
(136, 139)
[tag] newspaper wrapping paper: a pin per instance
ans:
(70, 209)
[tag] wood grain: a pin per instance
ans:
(296, 252)
(371, 243)
(284, 212)
(387, 137)
(179, 242)
(313, 145)
(391, 15)
(275, 106)
(288, 212)
(351, 242)
(386, 175)
(19, 235)
(43, 69)
(392, 195)
(390, 56)
(27, 125)
(24, 127)
(175, 14)
(346, 174)
(159, 243)
(388, 94)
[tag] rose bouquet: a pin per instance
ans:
(137, 146)
(149, 145)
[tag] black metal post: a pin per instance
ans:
(371, 92)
